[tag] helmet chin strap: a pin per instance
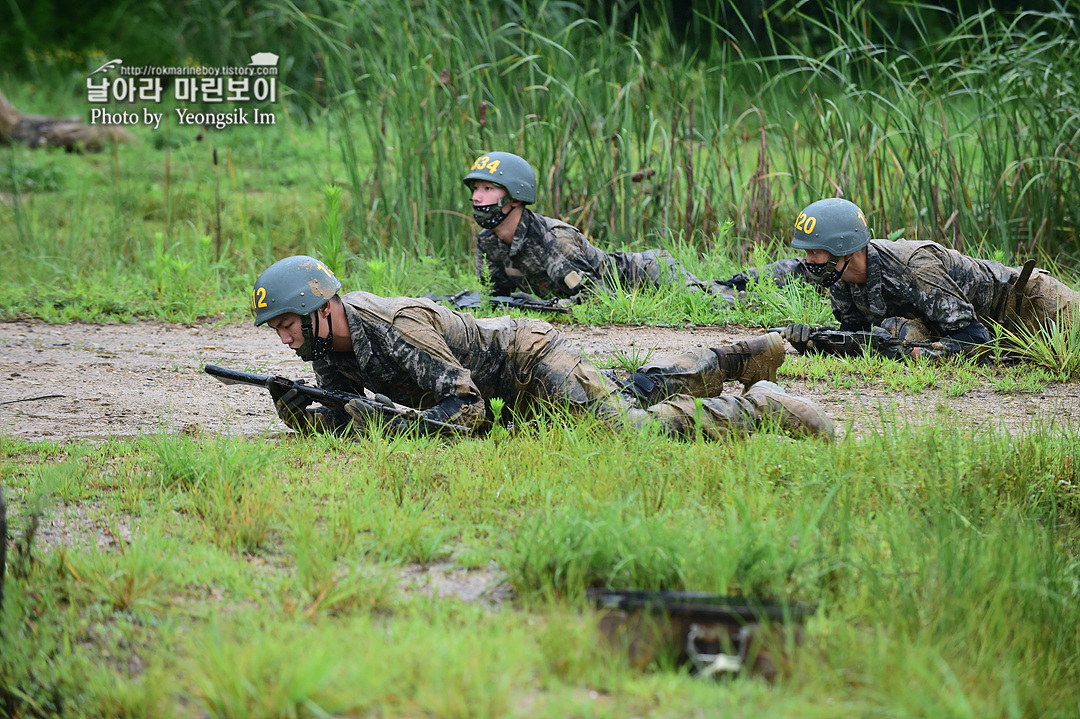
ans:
(315, 347)
(839, 275)
(828, 276)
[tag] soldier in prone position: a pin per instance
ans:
(525, 252)
(918, 291)
(450, 365)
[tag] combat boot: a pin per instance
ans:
(750, 361)
(797, 415)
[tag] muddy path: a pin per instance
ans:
(125, 380)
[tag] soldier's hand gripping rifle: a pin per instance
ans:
(830, 340)
(468, 300)
(328, 398)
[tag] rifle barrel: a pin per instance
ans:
(233, 376)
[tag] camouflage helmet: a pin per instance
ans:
(835, 225)
(508, 170)
(298, 284)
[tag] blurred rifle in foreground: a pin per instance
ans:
(715, 635)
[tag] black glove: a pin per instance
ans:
(881, 339)
(798, 335)
(366, 412)
(738, 281)
(291, 407)
(526, 297)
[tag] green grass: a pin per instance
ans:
(956, 375)
(1053, 346)
(924, 549)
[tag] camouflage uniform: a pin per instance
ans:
(451, 365)
(781, 271)
(549, 258)
(921, 290)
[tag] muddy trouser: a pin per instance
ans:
(652, 268)
(781, 271)
(649, 269)
(655, 267)
(554, 371)
(696, 372)
(1045, 300)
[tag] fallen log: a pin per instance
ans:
(70, 133)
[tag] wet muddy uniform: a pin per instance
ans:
(922, 290)
(450, 365)
(549, 258)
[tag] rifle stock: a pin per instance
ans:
(327, 398)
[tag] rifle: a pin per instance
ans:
(852, 342)
(714, 634)
(327, 398)
(468, 300)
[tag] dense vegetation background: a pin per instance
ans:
(648, 124)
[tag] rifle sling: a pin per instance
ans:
(1021, 283)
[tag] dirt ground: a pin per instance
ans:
(125, 380)
(119, 380)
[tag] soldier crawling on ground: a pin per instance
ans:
(918, 291)
(450, 366)
(524, 252)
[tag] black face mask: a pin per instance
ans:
(315, 347)
(824, 273)
(490, 216)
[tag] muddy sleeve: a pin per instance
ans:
(419, 348)
(573, 264)
(845, 311)
(927, 286)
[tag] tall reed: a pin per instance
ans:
(967, 140)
